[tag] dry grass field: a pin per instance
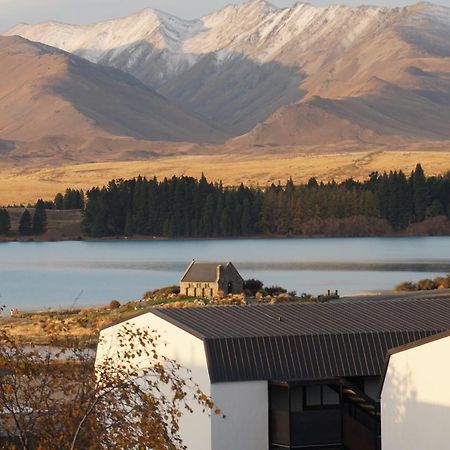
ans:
(21, 185)
(60, 224)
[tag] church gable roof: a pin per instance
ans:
(201, 272)
(204, 271)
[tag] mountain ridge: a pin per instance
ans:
(272, 76)
(49, 95)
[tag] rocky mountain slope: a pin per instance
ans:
(302, 75)
(48, 94)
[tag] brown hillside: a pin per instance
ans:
(47, 94)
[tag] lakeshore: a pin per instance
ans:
(66, 225)
(36, 275)
(84, 324)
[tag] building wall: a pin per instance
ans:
(188, 351)
(228, 274)
(244, 418)
(199, 289)
(415, 400)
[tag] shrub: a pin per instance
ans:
(426, 285)
(406, 286)
(162, 292)
(275, 290)
(260, 295)
(114, 304)
(253, 286)
(442, 282)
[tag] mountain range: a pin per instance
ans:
(247, 76)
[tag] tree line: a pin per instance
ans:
(187, 207)
(29, 224)
(36, 223)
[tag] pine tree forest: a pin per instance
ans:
(187, 207)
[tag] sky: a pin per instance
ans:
(90, 11)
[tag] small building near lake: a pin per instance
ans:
(207, 279)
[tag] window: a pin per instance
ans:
(319, 396)
(313, 395)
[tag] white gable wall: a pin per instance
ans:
(185, 349)
(243, 422)
(415, 400)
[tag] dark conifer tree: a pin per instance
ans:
(129, 225)
(5, 222)
(25, 224)
(39, 218)
(420, 193)
(59, 201)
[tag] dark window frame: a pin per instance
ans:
(322, 405)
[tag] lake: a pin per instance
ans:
(54, 274)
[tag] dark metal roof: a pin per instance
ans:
(308, 341)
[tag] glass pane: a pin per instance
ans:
(313, 396)
(330, 397)
(297, 398)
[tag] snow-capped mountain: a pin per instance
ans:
(136, 43)
(254, 65)
(157, 46)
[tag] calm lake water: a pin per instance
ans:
(37, 275)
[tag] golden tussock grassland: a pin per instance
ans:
(26, 185)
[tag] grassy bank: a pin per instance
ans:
(61, 225)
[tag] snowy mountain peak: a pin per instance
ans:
(261, 5)
(158, 47)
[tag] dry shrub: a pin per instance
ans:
(406, 286)
(165, 292)
(181, 304)
(433, 226)
(275, 290)
(114, 304)
(229, 301)
(442, 282)
(426, 285)
(281, 298)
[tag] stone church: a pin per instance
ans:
(207, 279)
